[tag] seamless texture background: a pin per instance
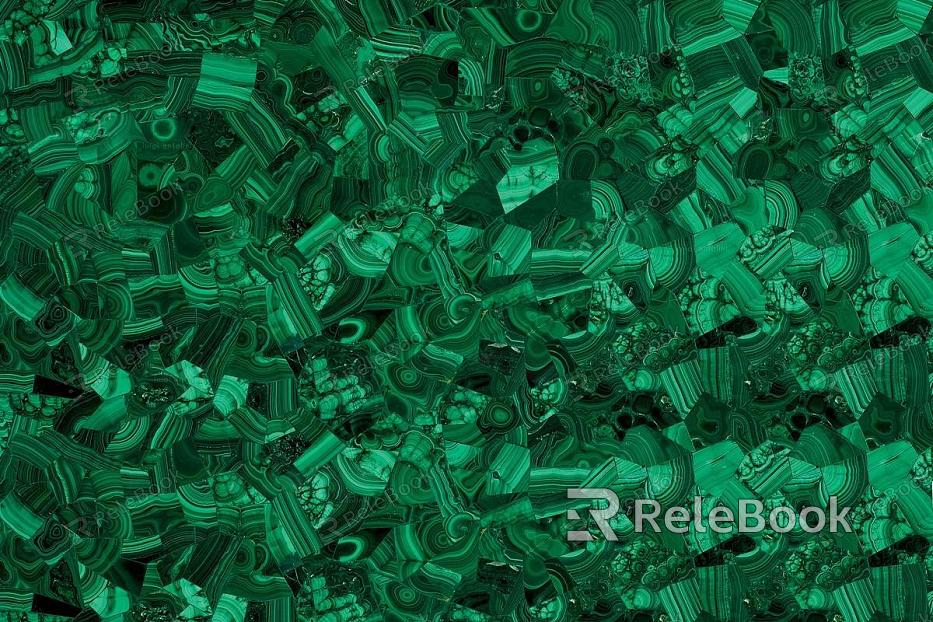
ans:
(314, 310)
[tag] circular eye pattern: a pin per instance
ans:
(396, 311)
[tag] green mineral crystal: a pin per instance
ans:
(341, 310)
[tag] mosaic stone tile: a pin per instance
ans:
(316, 310)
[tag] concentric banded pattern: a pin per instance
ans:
(313, 311)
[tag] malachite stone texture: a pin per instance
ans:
(314, 310)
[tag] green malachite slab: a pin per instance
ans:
(314, 310)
